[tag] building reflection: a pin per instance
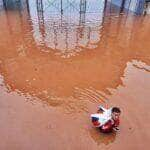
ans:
(65, 26)
(14, 4)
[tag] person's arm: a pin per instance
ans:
(101, 108)
(107, 125)
(116, 125)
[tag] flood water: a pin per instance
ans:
(57, 68)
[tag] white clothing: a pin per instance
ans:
(104, 117)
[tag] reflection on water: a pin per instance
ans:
(64, 27)
(67, 27)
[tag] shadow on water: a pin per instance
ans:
(101, 138)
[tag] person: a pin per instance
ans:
(107, 120)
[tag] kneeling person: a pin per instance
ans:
(108, 120)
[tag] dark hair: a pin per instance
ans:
(116, 109)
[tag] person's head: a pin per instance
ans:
(115, 112)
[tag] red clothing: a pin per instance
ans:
(96, 123)
(109, 125)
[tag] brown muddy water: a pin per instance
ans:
(55, 72)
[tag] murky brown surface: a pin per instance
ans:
(52, 78)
